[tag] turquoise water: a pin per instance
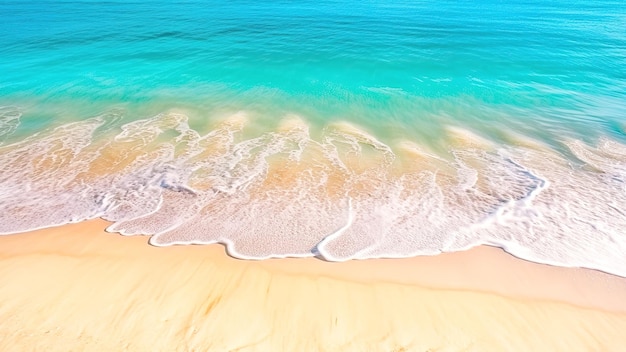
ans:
(356, 129)
(560, 63)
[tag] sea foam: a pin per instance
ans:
(340, 196)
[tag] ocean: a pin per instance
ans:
(337, 129)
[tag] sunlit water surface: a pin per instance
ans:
(341, 129)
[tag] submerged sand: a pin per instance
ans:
(77, 288)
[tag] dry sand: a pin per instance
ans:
(76, 288)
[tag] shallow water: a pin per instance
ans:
(345, 130)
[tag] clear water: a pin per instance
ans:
(343, 129)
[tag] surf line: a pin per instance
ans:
(319, 250)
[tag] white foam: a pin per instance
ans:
(344, 196)
(37, 178)
(9, 121)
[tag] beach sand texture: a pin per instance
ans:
(76, 288)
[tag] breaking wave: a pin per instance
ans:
(340, 195)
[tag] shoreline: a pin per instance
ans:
(78, 287)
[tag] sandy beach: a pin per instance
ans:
(77, 288)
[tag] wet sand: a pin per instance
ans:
(76, 287)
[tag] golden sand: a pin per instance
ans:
(76, 288)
